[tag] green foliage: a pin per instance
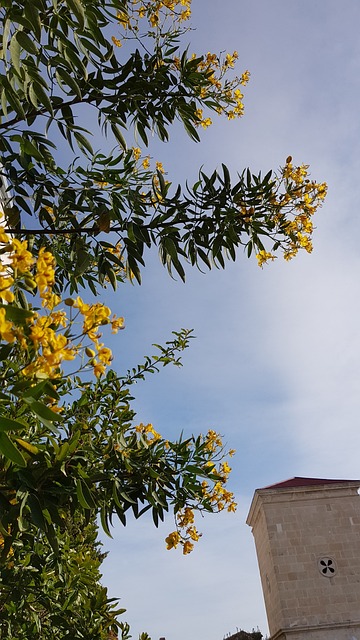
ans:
(58, 69)
(44, 593)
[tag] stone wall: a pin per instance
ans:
(308, 546)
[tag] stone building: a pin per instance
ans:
(307, 537)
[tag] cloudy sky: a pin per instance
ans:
(276, 363)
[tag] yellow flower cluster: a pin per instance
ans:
(263, 257)
(95, 316)
(52, 348)
(148, 432)
(296, 198)
(156, 12)
(213, 441)
(45, 340)
(216, 495)
(185, 521)
(204, 122)
(175, 538)
(154, 193)
(225, 92)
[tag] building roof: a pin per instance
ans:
(305, 482)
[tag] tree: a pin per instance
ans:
(75, 219)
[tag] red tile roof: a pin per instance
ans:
(305, 482)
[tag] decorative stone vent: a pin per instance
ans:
(327, 566)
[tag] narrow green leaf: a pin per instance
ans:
(42, 411)
(26, 43)
(119, 136)
(9, 450)
(7, 424)
(66, 78)
(32, 15)
(84, 495)
(15, 54)
(36, 511)
(83, 143)
(76, 7)
(84, 260)
(42, 97)
(104, 522)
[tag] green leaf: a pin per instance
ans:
(7, 424)
(43, 387)
(33, 17)
(119, 136)
(76, 7)
(84, 495)
(45, 414)
(13, 100)
(66, 78)
(84, 260)
(26, 43)
(42, 97)
(15, 54)
(30, 149)
(9, 450)
(36, 511)
(63, 452)
(104, 522)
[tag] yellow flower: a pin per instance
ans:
(21, 258)
(207, 122)
(245, 78)
(123, 19)
(185, 15)
(136, 153)
(117, 323)
(116, 42)
(50, 300)
(193, 533)
(148, 429)
(263, 257)
(4, 238)
(146, 163)
(154, 20)
(105, 355)
(185, 518)
(99, 369)
(5, 293)
(172, 540)
(225, 468)
(45, 272)
(6, 327)
(230, 59)
(188, 547)
(160, 167)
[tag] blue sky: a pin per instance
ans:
(275, 366)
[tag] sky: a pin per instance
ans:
(275, 366)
